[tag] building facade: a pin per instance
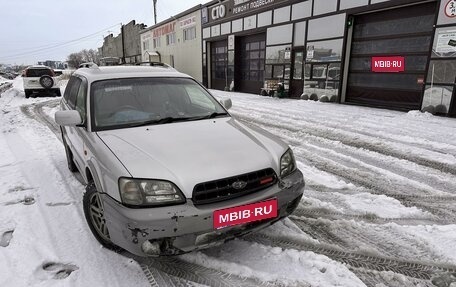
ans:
(126, 46)
(176, 42)
(398, 54)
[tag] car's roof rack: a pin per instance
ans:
(153, 64)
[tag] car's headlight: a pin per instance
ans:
(287, 163)
(149, 192)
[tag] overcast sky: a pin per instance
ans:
(33, 31)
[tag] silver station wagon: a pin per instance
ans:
(168, 170)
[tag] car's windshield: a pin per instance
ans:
(121, 103)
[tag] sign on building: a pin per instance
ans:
(388, 64)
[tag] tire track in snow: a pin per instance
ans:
(351, 140)
(384, 240)
(316, 213)
(173, 266)
(357, 260)
(319, 121)
(367, 161)
(35, 111)
(445, 210)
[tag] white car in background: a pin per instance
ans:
(40, 80)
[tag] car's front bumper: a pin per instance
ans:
(183, 228)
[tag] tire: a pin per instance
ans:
(46, 81)
(27, 93)
(69, 155)
(94, 214)
(314, 97)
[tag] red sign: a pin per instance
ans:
(164, 30)
(450, 9)
(246, 213)
(388, 64)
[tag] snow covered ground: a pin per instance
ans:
(379, 206)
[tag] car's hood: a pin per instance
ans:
(188, 153)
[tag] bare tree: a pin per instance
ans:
(75, 59)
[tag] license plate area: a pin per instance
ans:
(245, 213)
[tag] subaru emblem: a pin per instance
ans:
(239, 184)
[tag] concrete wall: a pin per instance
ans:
(112, 46)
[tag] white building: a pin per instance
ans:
(176, 42)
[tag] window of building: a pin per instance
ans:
(189, 33)
(277, 54)
(156, 42)
(326, 27)
(282, 15)
(298, 65)
(146, 44)
(171, 39)
(438, 97)
(279, 34)
(324, 51)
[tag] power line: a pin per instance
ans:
(44, 49)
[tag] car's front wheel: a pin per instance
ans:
(95, 216)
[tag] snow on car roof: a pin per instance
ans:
(38, 67)
(114, 72)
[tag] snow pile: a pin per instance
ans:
(3, 80)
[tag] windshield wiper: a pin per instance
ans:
(154, 122)
(168, 120)
(215, 115)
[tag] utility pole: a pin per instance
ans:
(123, 42)
(155, 11)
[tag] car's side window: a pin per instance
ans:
(66, 95)
(74, 92)
(81, 100)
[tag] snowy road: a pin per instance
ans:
(379, 206)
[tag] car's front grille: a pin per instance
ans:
(235, 186)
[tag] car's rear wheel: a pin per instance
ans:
(94, 214)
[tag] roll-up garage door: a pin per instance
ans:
(405, 34)
(249, 67)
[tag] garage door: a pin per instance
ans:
(219, 58)
(250, 55)
(405, 32)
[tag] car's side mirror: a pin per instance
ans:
(226, 103)
(68, 118)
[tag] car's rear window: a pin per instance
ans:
(38, 72)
